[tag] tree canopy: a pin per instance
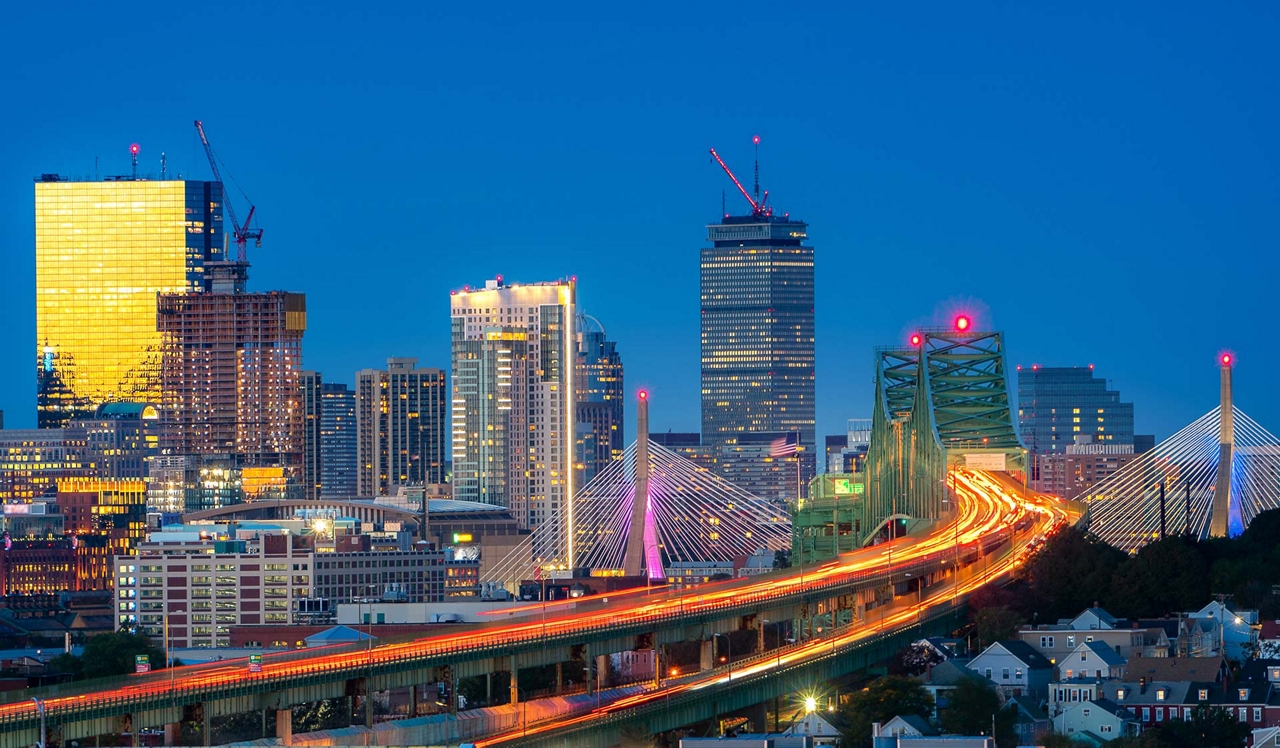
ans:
(884, 699)
(109, 654)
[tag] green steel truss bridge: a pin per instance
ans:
(943, 401)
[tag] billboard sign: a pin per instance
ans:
(985, 461)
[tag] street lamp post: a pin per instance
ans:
(44, 741)
(729, 648)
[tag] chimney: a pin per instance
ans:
(875, 729)
(1142, 684)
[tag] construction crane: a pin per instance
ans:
(242, 233)
(760, 207)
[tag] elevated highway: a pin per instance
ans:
(990, 514)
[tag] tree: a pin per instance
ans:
(1209, 727)
(996, 624)
(1166, 576)
(914, 660)
(1074, 556)
(971, 705)
(106, 655)
(884, 699)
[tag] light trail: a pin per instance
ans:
(986, 507)
(1004, 510)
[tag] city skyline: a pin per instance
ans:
(1133, 200)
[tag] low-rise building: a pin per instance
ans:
(1100, 720)
(1094, 659)
(1015, 667)
(202, 587)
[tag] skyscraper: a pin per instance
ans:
(600, 434)
(104, 250)
(514, 352)
(758, 363)
(1059, 404)
(400, 426)
(232, 362)
(337, 441)
(309, 389)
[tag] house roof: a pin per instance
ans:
(1103, 652)
(1175, 669)
(1028, 707)
(1112, 708)
(1101, 614)
(1175, 693)
(813, 724)
(914, 721)
(338, 635)
(1021, 651)
(951, 672)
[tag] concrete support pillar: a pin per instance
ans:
(284, 726)
(707, 655)
(602, 673)
(759, 718)
(206, 725)
(759, 634)
(514, 685)
(414, 695)
(488, 688)
(368, 707)
(559, 686)
(172, 733)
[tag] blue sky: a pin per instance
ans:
(1100, 183)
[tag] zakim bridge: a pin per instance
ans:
(1208, 480)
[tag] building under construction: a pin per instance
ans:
(231, 368)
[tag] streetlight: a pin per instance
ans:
(40, 708)
(729, 649)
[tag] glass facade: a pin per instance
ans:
(600, 437)
(104, 250)
(757, 283)
(337, 441)
(1059, 405)
(401, 415)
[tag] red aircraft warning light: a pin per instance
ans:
(916, 339)
(643, 394)
(1226, 359)
(963, 323)
(133, 149)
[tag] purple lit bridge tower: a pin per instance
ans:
(645, 512)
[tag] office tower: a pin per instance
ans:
(599, 436)
(120, 440)
(114, 512)
(337, 441)
(230, 373)
(513, 396)
(757, 283)
(309, 386)
(1058, 404)
(104, 250)
(1068, 410)
(32, 461)
(400, 426)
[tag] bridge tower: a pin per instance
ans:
(633, 562)
(1219, 518)
(941, 401)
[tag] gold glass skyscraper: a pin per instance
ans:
(104, 250)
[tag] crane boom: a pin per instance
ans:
(758, 209)
(242, 234)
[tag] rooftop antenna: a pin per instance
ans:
(95, 168)
(164, 166)
(723, 208)
(755, 139)
(133, 152)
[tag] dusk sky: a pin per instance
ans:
(1100, 183)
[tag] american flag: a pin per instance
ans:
(785, 445)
